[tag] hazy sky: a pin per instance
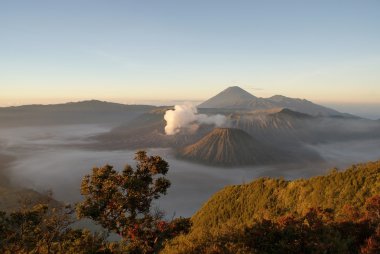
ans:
(132, 51)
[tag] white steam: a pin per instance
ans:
(186, 116)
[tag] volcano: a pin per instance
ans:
(232, 97)
(228, 147)
(238, 99)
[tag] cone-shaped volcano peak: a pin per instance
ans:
(227, 147)
(233, 96)
(238, 92)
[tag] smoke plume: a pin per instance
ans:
(186, 116)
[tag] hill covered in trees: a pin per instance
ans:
(336, 213)
(271, 198)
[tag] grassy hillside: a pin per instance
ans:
(236, 211)
(268, 198)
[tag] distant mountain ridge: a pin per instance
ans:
(80, 105)
(237, 98)
(92, 111)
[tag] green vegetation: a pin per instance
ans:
(336, 213)
(271, 198)
(46, 228)
(314, 232)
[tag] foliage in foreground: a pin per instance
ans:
(271, 198)
(121, 203)
(46, 229)
(314, 232)
(325, 214)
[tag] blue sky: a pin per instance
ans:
(143, 51)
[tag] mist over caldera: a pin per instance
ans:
(53, 146)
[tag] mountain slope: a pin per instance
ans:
(274, 215)
(228, 147)
(303, 106)
(266, 197)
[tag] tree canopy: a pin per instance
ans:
(121, 202)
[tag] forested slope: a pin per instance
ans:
(336, 213)
(268, 198)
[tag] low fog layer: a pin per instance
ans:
(368, 110)
(50, 158)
